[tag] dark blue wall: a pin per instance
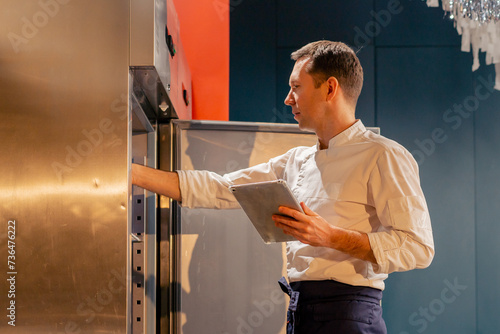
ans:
(420, 90)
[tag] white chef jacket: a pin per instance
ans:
(362, 181)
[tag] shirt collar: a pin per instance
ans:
(345, 136)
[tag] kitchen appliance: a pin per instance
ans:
(87, 87)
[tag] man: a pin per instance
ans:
(364, 217)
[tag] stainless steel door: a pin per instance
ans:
(64, 148)
(224, 278)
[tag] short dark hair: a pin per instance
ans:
(333, 59)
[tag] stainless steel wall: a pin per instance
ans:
(64, 158)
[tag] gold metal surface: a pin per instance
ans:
(63, 130)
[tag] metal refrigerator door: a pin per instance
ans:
(224, 277)
(64, 135)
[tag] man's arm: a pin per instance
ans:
(158, 181)
(310, 228)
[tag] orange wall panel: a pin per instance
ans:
(204, 30)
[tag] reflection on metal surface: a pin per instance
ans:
(43, 190)
(63, 105)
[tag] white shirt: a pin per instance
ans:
(362, 181)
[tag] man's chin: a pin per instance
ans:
(299, 120)
(303, 126)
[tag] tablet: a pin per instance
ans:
(261, 201)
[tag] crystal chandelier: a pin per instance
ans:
(478, 22)
(481, 11)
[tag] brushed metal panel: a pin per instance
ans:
(63, 129)
(224, 277)
(147, 37)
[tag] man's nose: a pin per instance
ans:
(289, 99)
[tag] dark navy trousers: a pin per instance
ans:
(327, 307)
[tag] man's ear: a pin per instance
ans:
(333, 87)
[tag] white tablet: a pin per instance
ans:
(261, 201)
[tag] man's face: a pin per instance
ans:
(304, 98)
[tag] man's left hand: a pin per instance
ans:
(308, 227)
